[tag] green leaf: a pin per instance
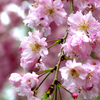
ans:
(45, 96)
(50, 97)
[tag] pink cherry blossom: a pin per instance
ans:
(77, 47)
(92, 74)
(32, 48)
(85, 24)
(38, 20)
(24, 84)
(73, 72)
(15, 79)
(54, 10)
(83, 92)
(43, 12)
(29, 80)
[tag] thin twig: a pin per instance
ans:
(52, 41)
(72, 7)
(59, 93)
(56, 92)
(43, 80)
(64, 88)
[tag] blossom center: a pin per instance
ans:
(89, 76)
(74, 72)
(83, 26)
(36, 3)
(50, 11)
(35, 47)
(29, 80)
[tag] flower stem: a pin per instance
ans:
(65, 36)
(42, 74)
(66, 58)
(43, 80)
(58, 41)
(53, 40)
(59, 93)
(64, 88)
(60, 58)
(72, 7)
(58, 64)
(56, 92)
(48, 70)
(53, 95)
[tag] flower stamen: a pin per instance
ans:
(35, 47)
(83, 26)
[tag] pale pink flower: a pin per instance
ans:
(54, 10)
(92, 74)
(25, 84)
(29, 80)
(32, 48)
(73, 72)
(15, 79)
(38, 20)
(43, 12)
(84, 92)
(77, 47)
(85, 24)
(90, 88)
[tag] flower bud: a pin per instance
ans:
(74, 95)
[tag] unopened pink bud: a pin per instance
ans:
(74, 95)
(20, 48)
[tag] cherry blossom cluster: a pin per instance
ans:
(82, 74)
(81, 78)
(43, 12)
(83, 36)
(33, 55)
(79, 47)
(24, 84)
